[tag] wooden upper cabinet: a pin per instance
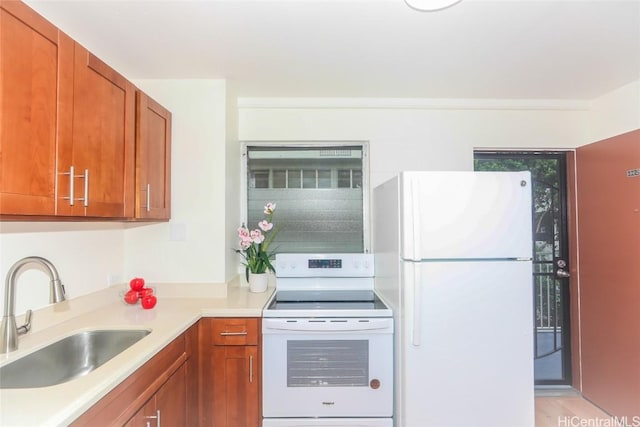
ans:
(96, 142)
(30, 52)
(72, 143)
(153, 159)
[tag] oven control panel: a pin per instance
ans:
(324, 265)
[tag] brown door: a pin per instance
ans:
(608, 189)
(552, 345)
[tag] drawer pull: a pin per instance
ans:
(233, 334)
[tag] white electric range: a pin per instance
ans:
(327, 344)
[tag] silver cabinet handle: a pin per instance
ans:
(72, 177)
(562, 274)
(232, 334)
(71, 174)
(147, 189)
(154, 417)
(148, 197)
(251, 369)
(86, 187)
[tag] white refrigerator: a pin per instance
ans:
(453, 260)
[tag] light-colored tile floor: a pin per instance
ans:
(566, 408)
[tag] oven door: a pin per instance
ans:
(334, 367)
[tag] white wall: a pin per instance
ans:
(87, 256)
(232, 184)
(407, 135)
(189, 248)
(615, 113)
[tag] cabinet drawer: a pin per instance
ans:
(235, 331)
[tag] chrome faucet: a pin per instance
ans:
(9, 331)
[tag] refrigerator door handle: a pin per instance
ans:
(415, 220)
(416, 330)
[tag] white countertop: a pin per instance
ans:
(179, 307)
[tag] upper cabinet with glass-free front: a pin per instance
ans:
(96, 141)
(153, 159)
(31, 50)
(68, 127)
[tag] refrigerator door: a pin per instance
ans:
(466, 345)
(465, 215)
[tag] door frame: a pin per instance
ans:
(574, 371)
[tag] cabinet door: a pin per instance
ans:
(236, 374)
(171, 399)
(30, 51)
(145, 417)
(168, 405)
(97, 141)
(153, 159)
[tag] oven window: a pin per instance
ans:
(327, 363)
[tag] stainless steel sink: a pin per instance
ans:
(68, 358)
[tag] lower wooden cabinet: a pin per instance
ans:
(235, 382)
(209, 376)
(162, 387)
(231, 379)
(167, 407)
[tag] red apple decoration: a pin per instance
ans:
(149, 301)
(137, 283)
(131, 297)
(144, 292)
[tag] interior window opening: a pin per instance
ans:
(319, 192)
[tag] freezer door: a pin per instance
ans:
(466, 345)
(468, 215)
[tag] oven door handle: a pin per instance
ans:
(328, 325)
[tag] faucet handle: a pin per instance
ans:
(27, 325)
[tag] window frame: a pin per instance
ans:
(366, 182)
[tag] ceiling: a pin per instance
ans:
(506, 49)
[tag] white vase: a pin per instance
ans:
(258, 282)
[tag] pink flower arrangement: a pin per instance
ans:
(254, 244)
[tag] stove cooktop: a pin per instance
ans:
(325, 285)
(346, 303)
